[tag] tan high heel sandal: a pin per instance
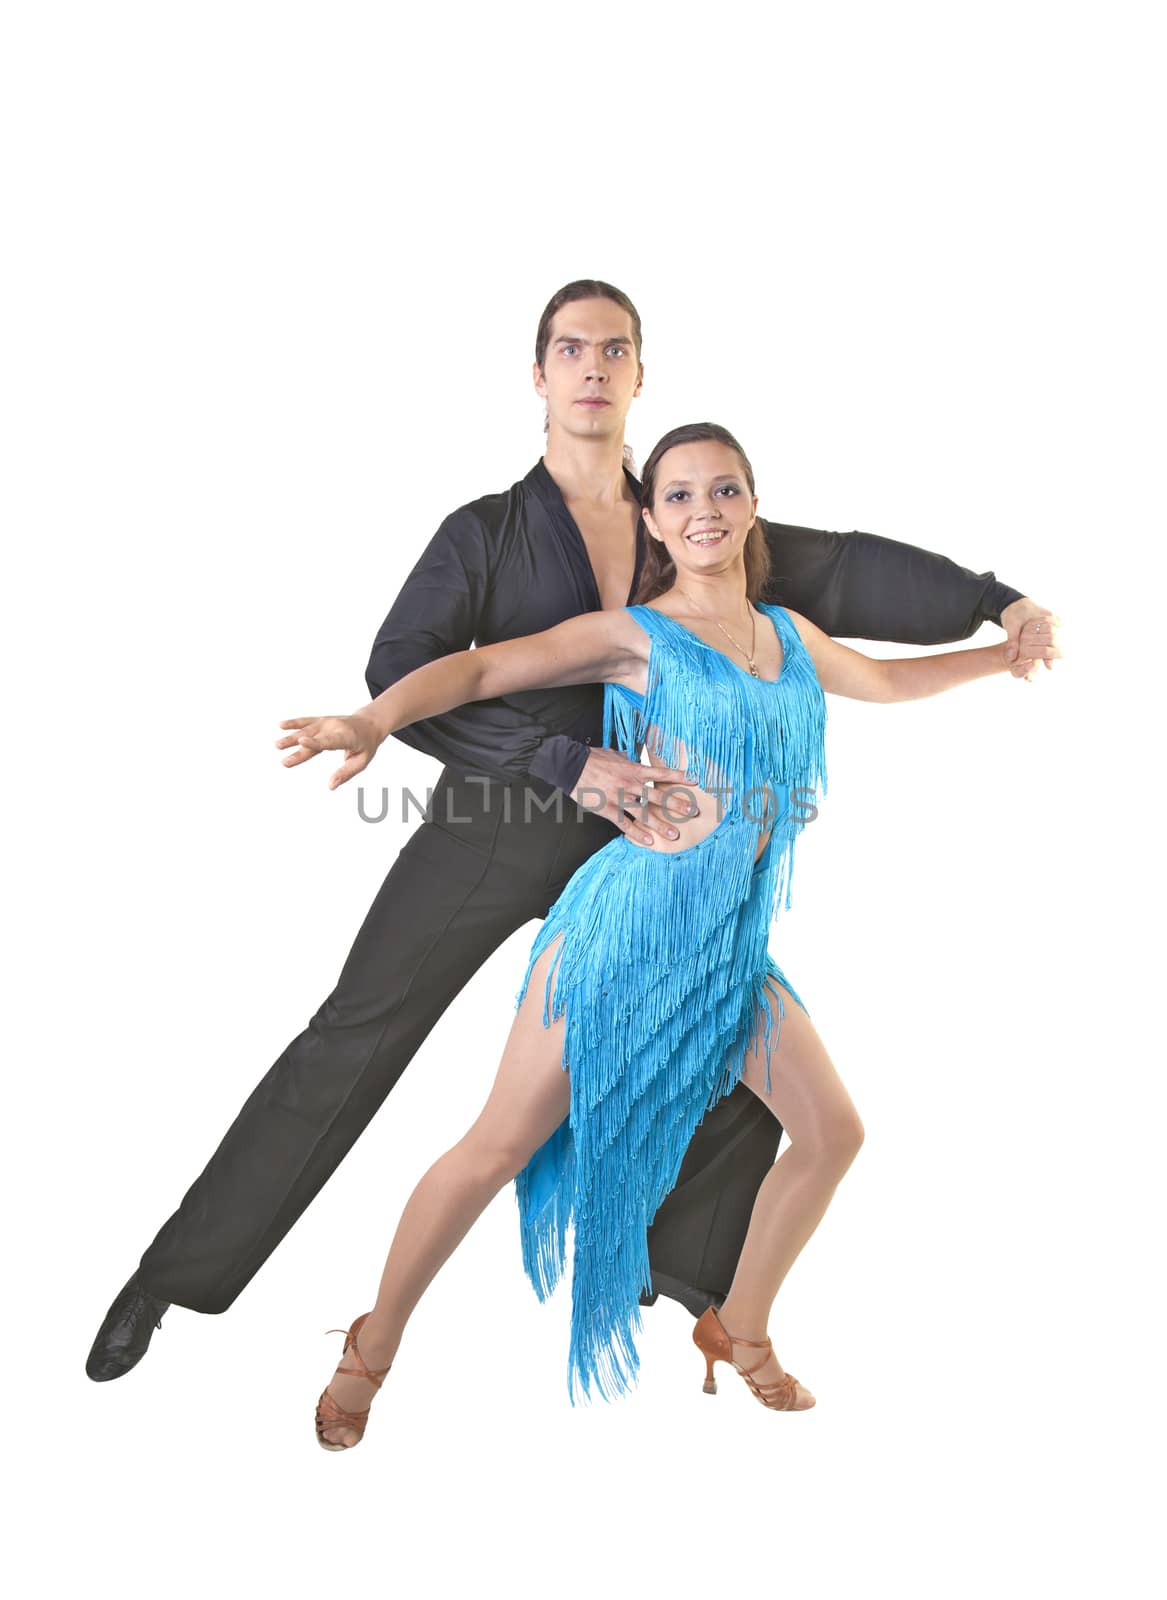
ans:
(715, 1344)
(331, 1415)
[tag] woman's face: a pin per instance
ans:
(702, 507)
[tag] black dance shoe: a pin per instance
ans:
(126, 1332)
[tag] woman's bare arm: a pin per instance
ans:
(853, 675)
(597, 647)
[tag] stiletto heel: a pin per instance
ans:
(329, 1414)
(716, 1344)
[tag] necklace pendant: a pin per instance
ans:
(754, 673)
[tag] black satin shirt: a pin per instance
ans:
(515, 563)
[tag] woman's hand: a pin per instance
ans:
(1031, 637)
(358, 736)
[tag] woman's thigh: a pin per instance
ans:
(531, 1094)
(806, 1093)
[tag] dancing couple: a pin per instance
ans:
(649, 999)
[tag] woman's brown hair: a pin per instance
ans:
(659, 571)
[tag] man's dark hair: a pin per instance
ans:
(583, 289)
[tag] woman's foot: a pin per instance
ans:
(769, 1373)
(356, 1393)
(747, 1356)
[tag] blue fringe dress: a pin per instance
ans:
(661, 973)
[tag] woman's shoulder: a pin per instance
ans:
(803, 626)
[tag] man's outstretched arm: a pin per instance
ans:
(864, 586)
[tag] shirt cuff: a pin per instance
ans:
(559, 760)
(996, 599)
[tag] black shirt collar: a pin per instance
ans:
(544, 487)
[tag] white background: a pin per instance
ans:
(272, 280)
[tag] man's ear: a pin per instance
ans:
(539, 380)
(639, 380)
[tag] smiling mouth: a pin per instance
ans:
(706, 538)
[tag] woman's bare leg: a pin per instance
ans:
(530, 1098)
(808, 1098)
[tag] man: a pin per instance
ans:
(526, 796)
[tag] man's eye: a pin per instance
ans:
(616, 350)
(570, 347)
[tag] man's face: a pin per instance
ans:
(590, 373)
(702, 507)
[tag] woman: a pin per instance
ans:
(649, 992)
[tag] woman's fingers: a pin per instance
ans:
(357, 761)
(304, 753)
(306, 727)
(314, 735)
(325, 733)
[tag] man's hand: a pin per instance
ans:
(1031, 637)
(616, 788)
(358, 736)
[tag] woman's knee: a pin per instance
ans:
(840, 1137)
(490, 1159)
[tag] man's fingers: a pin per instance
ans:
(680, 805)
(1038, 634)
(657, 806)
(632, 827)
(662, 774)
(632, 830)
(1034, 652)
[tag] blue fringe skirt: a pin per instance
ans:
(661, 975)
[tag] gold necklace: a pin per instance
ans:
(749, 654)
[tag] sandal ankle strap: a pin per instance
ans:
(745, 1371)
(733, 1337)
(375, 1376)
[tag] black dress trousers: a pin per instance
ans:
(485, 861)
